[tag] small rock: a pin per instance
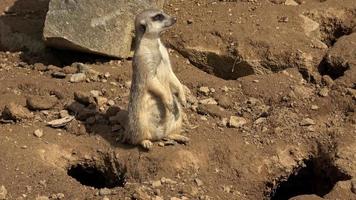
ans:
(224, 122)
(353, 185)
(81, 67)
(63, 113)
(225, 102)
(16, 112)
(40, 67)
(174, 198)
(156, 184)
(38, 133)
(198, 182)
(157, 198)
(327, 80)
(83, 97)
(204, 90)
(236, 122)
(101, 101)
(41, 103)
(42, 198)
(106, 198)
(79, 77)
(324, 92)
(111, 103)
(3, 192)
(69, 70)
(291, 3)
(307, 122)
(59, 75)
(105, 191)
(140, 194)
(107, 75)
(60, 122)
(209, 101)
(315, 107)
(57, 196)
(165, 180)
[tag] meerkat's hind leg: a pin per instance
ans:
(146, 144)
(178, 138)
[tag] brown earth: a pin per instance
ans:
(299, 106)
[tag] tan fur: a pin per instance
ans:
(156, 95)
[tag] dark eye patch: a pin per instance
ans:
(158, 17)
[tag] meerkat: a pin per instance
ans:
(156, 95)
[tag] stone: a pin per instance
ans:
(236, 122)
(340, 60)
(38, 133)
(78, 77)
(198, 182)
(70, 70)
(156, 184)
(204, 90)
(91, 26)
(59, 75)
(315, 107)
(324, 92)
(101, 101)
(225, 101)
(41, 103)
(140, 194)
(16, 112)
(3, 193)
(84, 97)
(307, 197)
(105, 191)
(208, 101)
(60, 122)
(307, 122)
(291, 3)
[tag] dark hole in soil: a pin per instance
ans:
(333, 71)
(96, 177)
(318, 176)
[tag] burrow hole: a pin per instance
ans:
(317, 176)
(98, 174)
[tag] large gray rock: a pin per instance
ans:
(94, 26)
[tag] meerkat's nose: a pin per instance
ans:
(174, 19)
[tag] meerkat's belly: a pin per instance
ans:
(153, 113)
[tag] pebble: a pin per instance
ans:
(105, 191)
(63, 113)
(111, 103)
(3, 192)
(60, 122)
(315, 107)
(324, 92)
(78, 77)
(82, 68)
(165, 180)
(198, 182)
(42, 198)
(307, 122)
(208, 101)
(16, 112)
(236, 122)
(59, 75)
(106, 198)
(83, 97)
(204, 90)
(140, 194)
(95, 93)
(41, 103)
(291, 3)
(156, 184)
(69, 70)
(101, 101)
(38, 133)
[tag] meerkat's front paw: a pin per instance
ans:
(146, 144)
(179, 138)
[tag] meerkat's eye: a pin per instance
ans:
(158, 17)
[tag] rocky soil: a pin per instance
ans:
(271, 89)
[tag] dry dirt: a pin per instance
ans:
(294, 135)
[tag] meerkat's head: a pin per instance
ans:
(153, 22)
